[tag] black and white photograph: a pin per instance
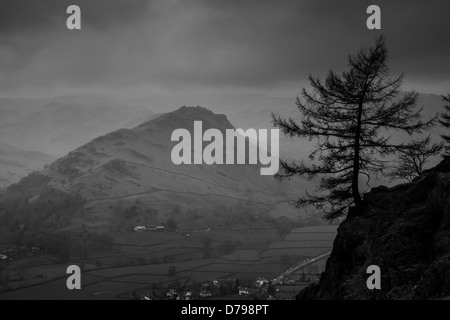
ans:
(247, 151)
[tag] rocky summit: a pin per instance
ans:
(405, 230)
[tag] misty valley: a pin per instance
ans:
(138, 225)
(142, 227)
(159, 153)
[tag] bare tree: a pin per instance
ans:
(350, 116)
(411, 161)
(445, 122)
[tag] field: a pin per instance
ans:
(243, 255)
(140, 261)
(303, 242)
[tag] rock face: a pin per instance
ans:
(405, 230)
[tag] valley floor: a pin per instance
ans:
(144, 259)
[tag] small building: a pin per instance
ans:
(171, 294)
(3, 257)
(35, 250)
(187, 295)
(261, 281)
(148, 228)
(244, 291)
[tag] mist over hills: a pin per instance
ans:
(16, 163)
(57, 126)
(255, 111)
(132, 164)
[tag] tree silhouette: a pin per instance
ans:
(445, 122)
(350, 115)
(411, 161)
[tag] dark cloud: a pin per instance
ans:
(238, 43)
(32, 16)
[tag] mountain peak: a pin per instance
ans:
(185, 116)
(194, 109)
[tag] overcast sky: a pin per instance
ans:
(166, 46)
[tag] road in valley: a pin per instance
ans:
(300, 266)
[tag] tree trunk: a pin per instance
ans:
(355, 178)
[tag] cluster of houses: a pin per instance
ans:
(261, 289)
(172, 294)
(148, 228)
(9, 253)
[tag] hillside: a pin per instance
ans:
(126, 177)
(16, 163)
(405, 230)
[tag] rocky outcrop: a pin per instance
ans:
(405, 230)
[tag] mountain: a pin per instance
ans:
(58, 125)
(16, 163)
(405, 230)
(127, 177)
